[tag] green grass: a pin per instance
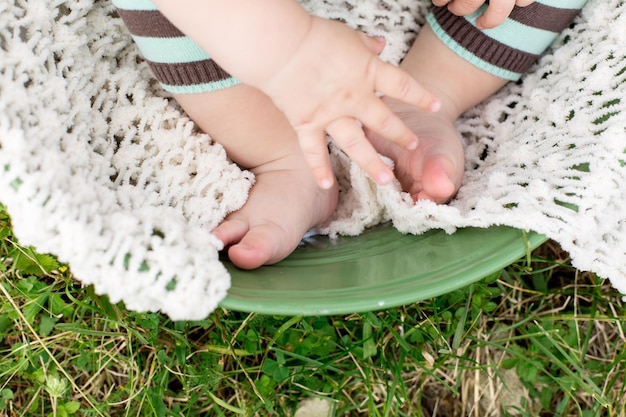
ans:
(537, 339)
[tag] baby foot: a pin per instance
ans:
(434, 170)
(284, 203)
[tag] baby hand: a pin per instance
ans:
(496, 13)
(329, 85)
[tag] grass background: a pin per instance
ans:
(538, 338)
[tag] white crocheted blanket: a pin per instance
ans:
(99, 167)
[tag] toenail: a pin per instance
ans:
(326, 183)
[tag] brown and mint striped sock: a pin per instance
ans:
(179, 64)
(510, 49)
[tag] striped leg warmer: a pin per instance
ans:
(511, 48)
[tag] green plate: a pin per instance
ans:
(379, 269)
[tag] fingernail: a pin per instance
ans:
(435, 106)
(412, 145)
(385, 177)
(326, 183)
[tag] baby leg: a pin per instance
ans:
(285, 201)
(463, 66)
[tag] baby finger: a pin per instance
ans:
(496, 13)
(395, 83)
(313, 145)
(377, 117)
(350, 138)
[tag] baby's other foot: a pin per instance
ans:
(284, 203)
(434, 170)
